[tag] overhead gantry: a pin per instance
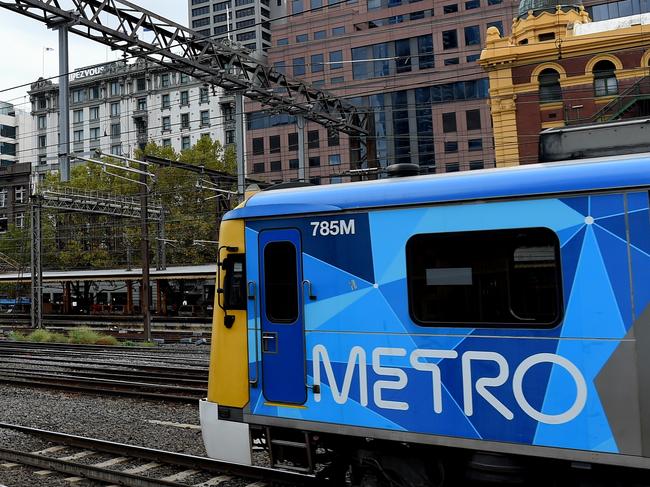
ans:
(140, 33)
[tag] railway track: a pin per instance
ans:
(144, 373)
(171, 329)
(112, 354)
(128, 465)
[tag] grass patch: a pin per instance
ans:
(17, 336)
(131, 343)
(83, 335)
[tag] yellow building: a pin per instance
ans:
(557, 69)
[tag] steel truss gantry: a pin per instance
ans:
(7, 263)
(138, 32)
(96, 202)
(84, 201)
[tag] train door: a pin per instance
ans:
(283, 347)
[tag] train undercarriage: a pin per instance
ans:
(366, 462)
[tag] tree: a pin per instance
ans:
(191, 212)
(77, 240)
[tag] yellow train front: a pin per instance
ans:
(439, 330)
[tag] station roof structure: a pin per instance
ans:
(208, 271)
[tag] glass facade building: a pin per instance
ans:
(406, 63)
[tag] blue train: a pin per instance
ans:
(490, 327)
(15, 305)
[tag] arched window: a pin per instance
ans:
(605, 82)
(549, 85)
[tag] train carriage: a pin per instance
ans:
(410, 328)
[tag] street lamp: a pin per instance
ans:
(45, 49)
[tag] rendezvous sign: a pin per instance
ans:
(89, 72)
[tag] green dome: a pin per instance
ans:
(546, 6)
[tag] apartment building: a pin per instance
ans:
(117, 106)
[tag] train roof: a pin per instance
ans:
(615, 172)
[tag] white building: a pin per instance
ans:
(117, 106)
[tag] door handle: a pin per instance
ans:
(311, 295)
(270, 342)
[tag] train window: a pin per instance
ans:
(280, 282)
(498, 278)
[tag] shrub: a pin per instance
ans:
(56, 338)
(17, 336)
(39, 336)
(83, 335)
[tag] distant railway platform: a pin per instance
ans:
(181, 295)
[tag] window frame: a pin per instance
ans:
(559, 294)
(549, 87)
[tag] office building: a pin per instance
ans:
(14, 175)
(242, 21)
(412, 64)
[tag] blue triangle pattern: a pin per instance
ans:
(640, 230)
(579, 204)
(641, 283)
(606, 205)
(570, 256)
(567, 234)
(597, 318)
(338, 280)
(615, 224)
(637, 201)
(489, 423)
(585, 318)
(590, 429)
(367, 309)
(616, 262)
(322, 314)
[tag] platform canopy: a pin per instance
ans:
(182, 272)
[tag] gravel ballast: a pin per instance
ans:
(112, 418)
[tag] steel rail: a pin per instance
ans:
(77, 360)
(106, 383)
(161, 456)
(172, 359)
(90, 354)
(86, 471)
(83, 346)
(54, 384)
(116, 375)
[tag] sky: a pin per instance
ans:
(24, 40)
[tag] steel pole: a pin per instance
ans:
(300, 120)
(64, 106)
(144, 250)
(37, 268)
(240, 143)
